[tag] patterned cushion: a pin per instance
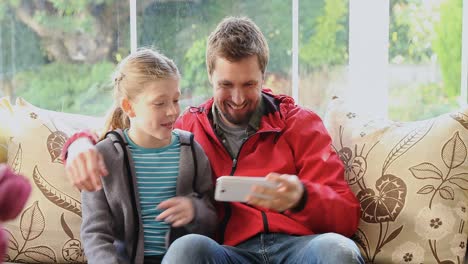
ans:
(48, 229)
(411, 180)
(5, 123)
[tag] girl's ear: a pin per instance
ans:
(127, 107)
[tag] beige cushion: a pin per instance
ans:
(411, 179)
(5, 124)
(48, 229)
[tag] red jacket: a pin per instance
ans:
(290, 140)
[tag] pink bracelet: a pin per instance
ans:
(82, 134)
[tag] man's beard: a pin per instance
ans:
(231, 119)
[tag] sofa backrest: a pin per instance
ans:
(411, 179)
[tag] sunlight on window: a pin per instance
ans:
(424, 58)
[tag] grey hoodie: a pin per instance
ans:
(109, 216)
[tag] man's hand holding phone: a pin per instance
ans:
(238, 188)
(278, 192)
(285, 196)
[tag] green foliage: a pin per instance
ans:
(447, 44)
(324, 48)
(66, 22)
(83, 89)
(68, 16)
(194, 74)
(6, 6)
(420, 102)
(183, 38)
(19, 48)
(179, 29)
(69, 7)
(411, 31)
(274, 20)
(171, 27)
(399, 31)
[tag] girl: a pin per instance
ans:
(160, 186)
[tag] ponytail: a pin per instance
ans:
(116, 119)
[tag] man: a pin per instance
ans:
(247, 131)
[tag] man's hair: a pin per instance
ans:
(234, 39)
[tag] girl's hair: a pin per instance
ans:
(129, 79)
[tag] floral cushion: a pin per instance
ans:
(48, 229)
(411, 180)
(5, 121)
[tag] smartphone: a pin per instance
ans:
(237, 188)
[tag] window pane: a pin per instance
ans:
(179, 29)
(424, 57)
(59, 55)
(323, 51)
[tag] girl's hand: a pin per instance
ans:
(178, 211)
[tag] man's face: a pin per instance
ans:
(237, 88)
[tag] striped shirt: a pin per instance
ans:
(156, 176)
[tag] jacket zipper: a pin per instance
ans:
(227, 207)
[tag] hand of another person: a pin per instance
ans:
(178, 211)
(85, 165)
(285, 196)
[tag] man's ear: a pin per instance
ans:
(127, 107)
(209, 78)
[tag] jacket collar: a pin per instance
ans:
(273, 111)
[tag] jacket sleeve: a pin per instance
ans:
(328, 205)
(205, 218)
(97, 228)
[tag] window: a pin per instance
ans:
(323, 52)
(179, 29)
(424, 58)
(59, 55)
(406, 55)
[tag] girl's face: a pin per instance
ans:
(153, 113)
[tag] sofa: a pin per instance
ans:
(411, 179)
(31, 139)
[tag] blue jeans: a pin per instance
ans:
(265, 248)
